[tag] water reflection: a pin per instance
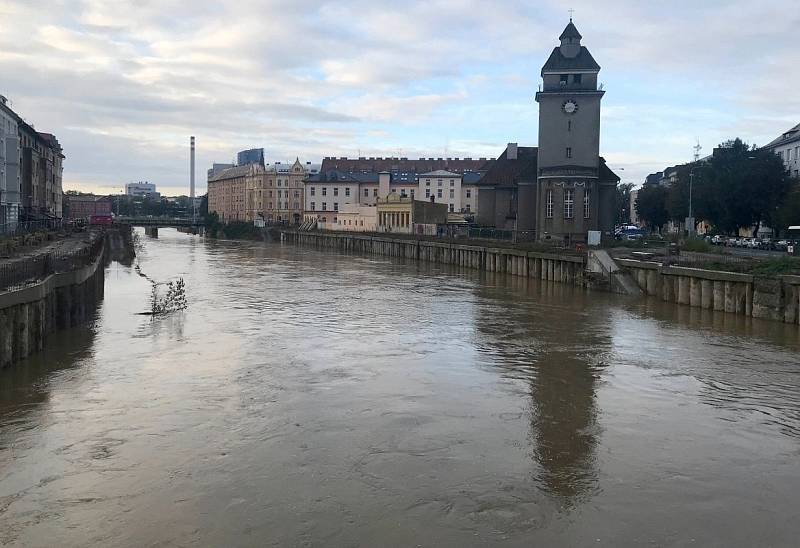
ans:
(557, 349)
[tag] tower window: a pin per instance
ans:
(586, 204)
(549, 204)
(569, 202)
(576, 78)
(569, 152)
(569, 125)
(563, 79)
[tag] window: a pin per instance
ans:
(324, 206)
(452, 182)
(451, 208)
(296, 193)
(412, 193)
(270, 194)
(563, 79)
(427, 193)
(279, 182)
(366, 192)
(313, 191)
(297, 205)
(336, 206)
(394, 190)
(467, 208)
(469, 193)
(586, 203)
(427, 182)
(375, 192)
(569, 202)
(438, 182)
(324, 191)
(439, 193)
(549, 203)
(313, 206)
(569, 152)
(270, 205)
(576, 78)
(569, 125)
(347, 191)
(336, 191)
(452, 193)
(402, 193)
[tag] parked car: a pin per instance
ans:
(718, 240)
(781, 245)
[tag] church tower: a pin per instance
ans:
(571, 193)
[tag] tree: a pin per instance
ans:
(740, 186)
(651, 206)
(623, 202)
(788, 213)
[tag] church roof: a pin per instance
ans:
(558, 62)
(570, 32)
(505, 172)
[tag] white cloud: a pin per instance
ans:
(123, 83)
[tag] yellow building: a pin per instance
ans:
(405, 215)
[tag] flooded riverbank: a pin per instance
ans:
(312, 398)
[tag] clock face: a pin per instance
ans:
(570, 107)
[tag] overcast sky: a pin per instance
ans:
(124, 83)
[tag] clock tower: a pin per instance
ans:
(571, 193)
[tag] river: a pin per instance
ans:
(307, 398)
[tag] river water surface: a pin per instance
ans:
(311, 398)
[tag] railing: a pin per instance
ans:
(26, 227)
(16, 274)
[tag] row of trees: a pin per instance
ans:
(740, 186)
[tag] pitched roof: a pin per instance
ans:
(787, 137)
(570, 32)
(439, 173)
(505, 172)
(606, 175)
(422, 165)
(230, 173)
(557, 62)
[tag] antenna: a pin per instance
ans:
(697, 148)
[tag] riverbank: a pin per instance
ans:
(48, 291)
(567, 267)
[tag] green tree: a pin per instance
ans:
(740, 186)
(788, 213)
(623, 203)
(651, 206)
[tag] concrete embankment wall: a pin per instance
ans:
(768, 298)
(60, 301)
(544, 266)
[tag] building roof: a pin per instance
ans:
(606, 175)
(231, 173)
(421, 165)
(787, 137)
(473, 177)
(440, 173)
(85, 197)
(338, 176)
(570, 32)
(558, 62)
(505, 172)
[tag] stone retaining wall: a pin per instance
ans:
(768, 298)
(544, 266)
(60, 301)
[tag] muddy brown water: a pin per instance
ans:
(308, 398)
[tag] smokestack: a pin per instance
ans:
(191, 178)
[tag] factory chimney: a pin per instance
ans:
(191, 179)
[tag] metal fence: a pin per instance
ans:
(26, 227)
(16, 274)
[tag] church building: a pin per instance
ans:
(562, 189)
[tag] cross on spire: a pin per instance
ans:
(571, 13)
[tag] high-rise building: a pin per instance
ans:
(251, 156)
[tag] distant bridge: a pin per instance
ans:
(159, 222)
